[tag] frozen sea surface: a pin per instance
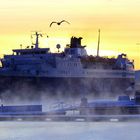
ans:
(69, 130)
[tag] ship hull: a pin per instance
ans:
(35, 87)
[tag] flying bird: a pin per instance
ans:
(58, 23)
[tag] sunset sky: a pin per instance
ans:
(119, 21)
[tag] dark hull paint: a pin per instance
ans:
(30, 87)
(111, 110)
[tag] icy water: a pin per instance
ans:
(69, 130)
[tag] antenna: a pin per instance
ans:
(37, 39)
(98, 43)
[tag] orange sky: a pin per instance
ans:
(119, 21)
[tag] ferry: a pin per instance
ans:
(35, 70)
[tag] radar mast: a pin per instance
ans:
(98, 43)
(37, 39)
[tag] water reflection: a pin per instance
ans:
(69, 130)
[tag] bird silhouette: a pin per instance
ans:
(58, 23)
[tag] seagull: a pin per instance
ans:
(58, 23)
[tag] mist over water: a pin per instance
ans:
(69, 130)
(68, 89)
(20, 130)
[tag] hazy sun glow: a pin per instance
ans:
(118, 20)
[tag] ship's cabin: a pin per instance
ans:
(31, 51)
(75, 52)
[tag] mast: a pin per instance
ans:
(37, 39)
(98, 43)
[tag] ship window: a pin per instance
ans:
(28, 71)
(18, 53)
(72, 51)
(37, 72)
(66, 51)
(43, 52)
(24, 53)
(36, 52)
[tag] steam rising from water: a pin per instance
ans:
(69, 93)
